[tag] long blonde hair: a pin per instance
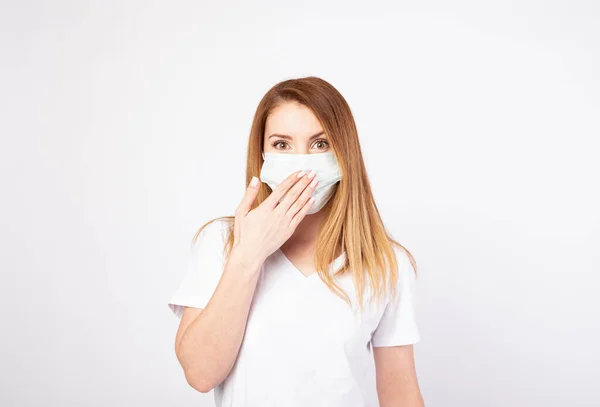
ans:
(352, 220)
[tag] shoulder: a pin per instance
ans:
(406, 270)
(398, 277)
(404, 260)
(212, 235)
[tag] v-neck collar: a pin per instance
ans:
(335, 264)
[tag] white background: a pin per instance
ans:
(124, 127)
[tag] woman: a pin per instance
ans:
(302, 298)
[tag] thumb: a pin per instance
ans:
(249, 196)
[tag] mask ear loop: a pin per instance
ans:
(263, 155)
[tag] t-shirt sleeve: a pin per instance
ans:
(398, 324)
(204, 269)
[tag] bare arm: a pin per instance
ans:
(208, 340)
(397, 384)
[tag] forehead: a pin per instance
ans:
(292, 119)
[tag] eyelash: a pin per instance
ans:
(316, 141)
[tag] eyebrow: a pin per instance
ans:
(285, 136)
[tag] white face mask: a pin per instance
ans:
(278, 166)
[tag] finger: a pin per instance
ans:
(302, 199)
(273, 199)
(301, 213)
(249, 197)
(244, 206)
(294, 192)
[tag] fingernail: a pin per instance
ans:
(254, 182)
(311, 174)
(301, 173)
(313, 183)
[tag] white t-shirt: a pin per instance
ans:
(303, 345)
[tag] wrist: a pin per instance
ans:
(248, 259)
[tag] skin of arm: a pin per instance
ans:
(208, 340)
(396, 376)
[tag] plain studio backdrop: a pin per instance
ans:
(124, 128)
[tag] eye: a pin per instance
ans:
(321, 144)
(279, 143)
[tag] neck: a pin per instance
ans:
(307, 231)
(304, 239)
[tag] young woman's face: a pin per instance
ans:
(293, 128)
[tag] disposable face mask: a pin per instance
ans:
(278, 166)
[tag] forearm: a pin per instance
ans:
(407, 400)
(209, 347)
(395, 395)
